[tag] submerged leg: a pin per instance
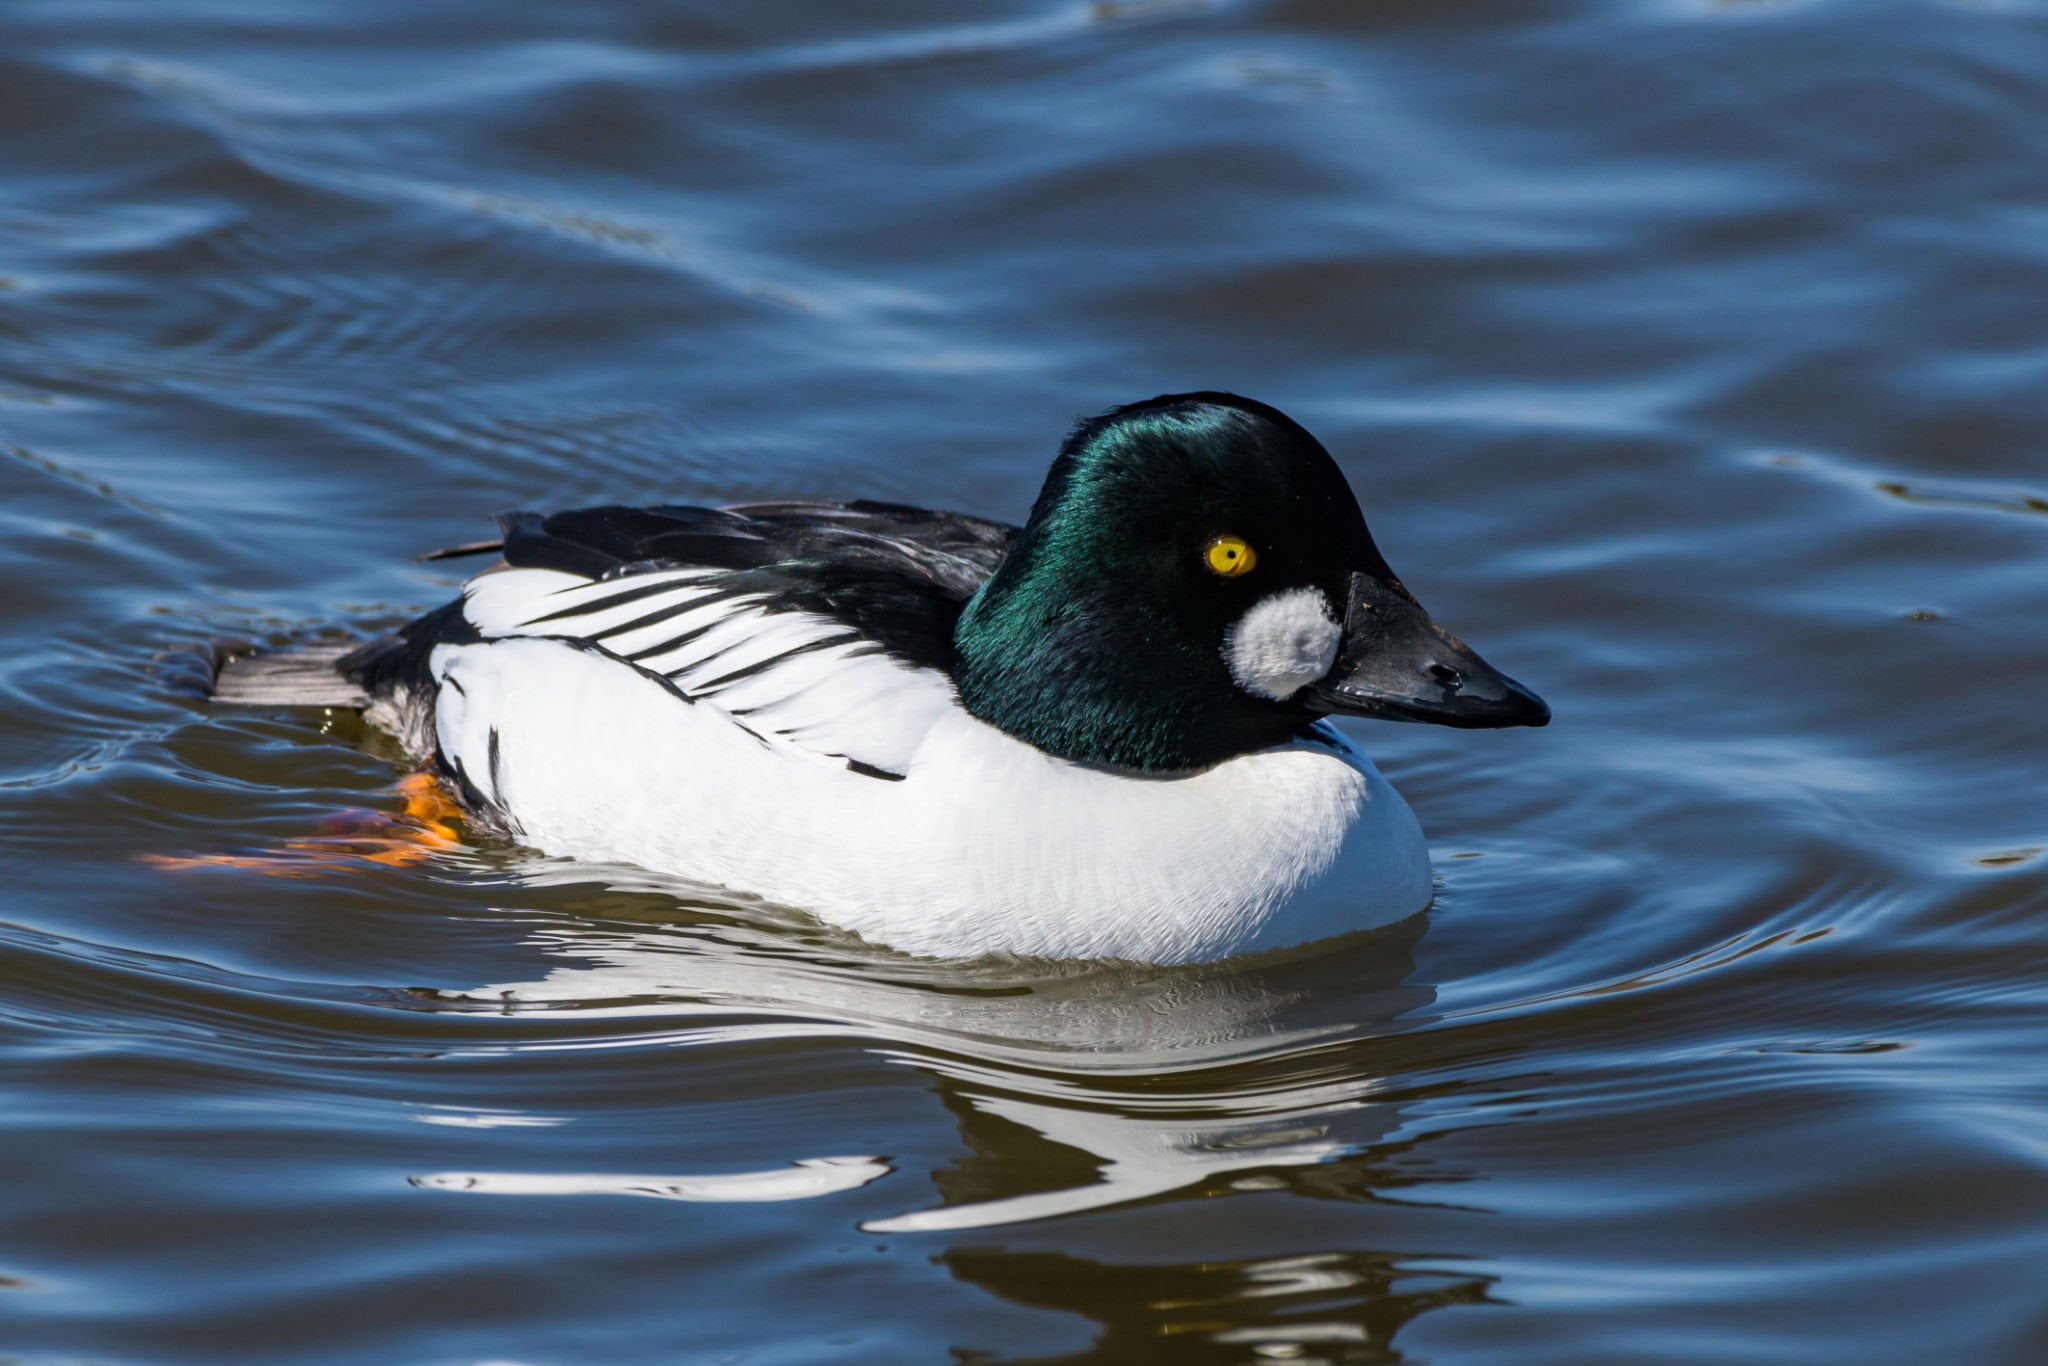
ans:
(428, 823)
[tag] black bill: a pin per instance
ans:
(1397, 664)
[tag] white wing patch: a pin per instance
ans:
(789, 677)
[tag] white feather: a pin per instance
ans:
(844, 702)
(691, 611)
(749, 640)
(986, 845)
(1284, 643)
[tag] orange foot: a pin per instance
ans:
(427, 825)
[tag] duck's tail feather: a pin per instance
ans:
(302, 676)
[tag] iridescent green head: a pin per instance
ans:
(1196, 582)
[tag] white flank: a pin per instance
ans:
(987, 845)
(1282, 644)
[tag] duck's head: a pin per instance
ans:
(1197, 582)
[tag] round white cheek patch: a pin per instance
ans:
(1282, 644)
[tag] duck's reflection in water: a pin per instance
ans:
(1075, 1087)
(1309, 1309)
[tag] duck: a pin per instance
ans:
(1105, 734)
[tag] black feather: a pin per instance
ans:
(894, 575)
(396, 665)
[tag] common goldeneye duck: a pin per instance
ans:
(1101, 735)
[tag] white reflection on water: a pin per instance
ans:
(1165, 1079)
(801, 1180)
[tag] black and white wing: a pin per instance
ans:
(826, 626)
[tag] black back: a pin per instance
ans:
(896, 575)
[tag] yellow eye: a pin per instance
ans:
(1230, 556)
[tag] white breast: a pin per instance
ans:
(986, 846)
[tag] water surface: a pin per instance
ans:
(1688, 357)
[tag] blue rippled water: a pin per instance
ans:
(1691, 357)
